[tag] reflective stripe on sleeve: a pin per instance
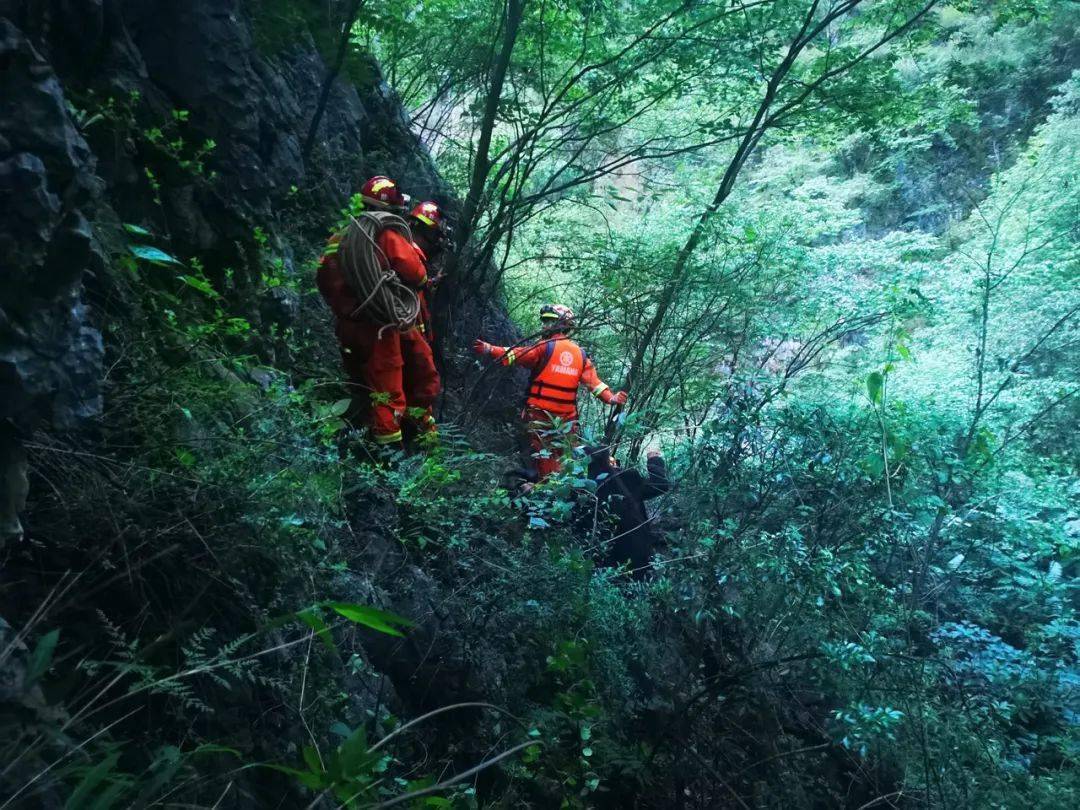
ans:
(599, 389)
(388, 438)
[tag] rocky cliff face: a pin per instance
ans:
(100, 103)
(177, 120)
(50, 354)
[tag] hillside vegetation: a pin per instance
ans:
(831, 250)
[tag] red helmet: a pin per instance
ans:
(383, 190)
(556, 316)
(429, 213)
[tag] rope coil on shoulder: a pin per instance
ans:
(386, 299)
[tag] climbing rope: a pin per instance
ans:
(386, 299)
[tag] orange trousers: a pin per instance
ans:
(394, 380)
(547, 442)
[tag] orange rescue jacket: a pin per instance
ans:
(424, 324)
(558, 367)
(343, 300)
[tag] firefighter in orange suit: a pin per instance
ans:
(558, 367)
(392, 374)
(430, 238)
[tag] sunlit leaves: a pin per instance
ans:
(380, 620)
(153, 255)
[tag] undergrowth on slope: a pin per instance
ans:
(865, 590)
(196, 620)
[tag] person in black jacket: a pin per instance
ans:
(618, 521)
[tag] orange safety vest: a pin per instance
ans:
(555, 381)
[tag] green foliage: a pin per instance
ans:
(279, 23)
(861, 725)
(862, 367)
(168, 139)
(350, 773)
(379, 620)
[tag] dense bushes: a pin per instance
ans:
(865, 385)
(800, 642)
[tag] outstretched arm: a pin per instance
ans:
(599, 388)
(529, 356)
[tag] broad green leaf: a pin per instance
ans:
(154, 255)
(138, 230)
(41, 658)
(312, 618)
(340, 729)
(340, 408)
(311, 759)
(352, 755)
(371, 617)
(202, 285)
(875, 383)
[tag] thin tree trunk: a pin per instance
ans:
(482, 159)
(466, 225)
(746, 147)
(331, 76)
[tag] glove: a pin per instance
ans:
(480, 347)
